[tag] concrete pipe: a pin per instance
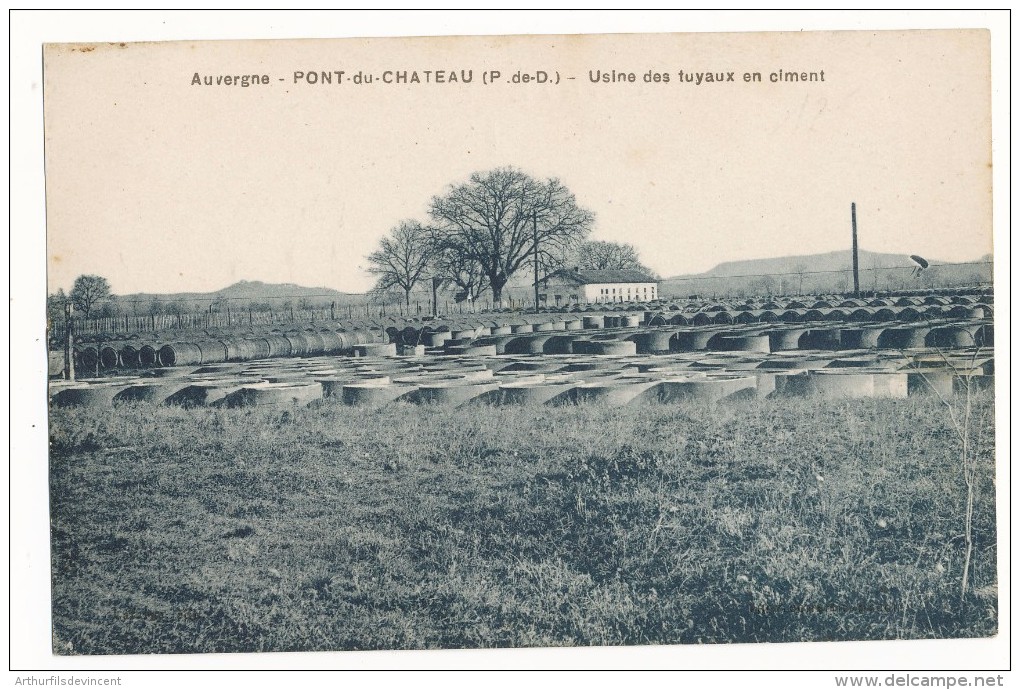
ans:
(109, 357)
(332, 343)
(236, 350)
(785, 339)
(611, 347)
(473, 349)
(531, 367)
(902, 338)
(821, 339)
(261, 394)
(616, 391)
(437, 339)
(179, 354)
(985, 335)
(213, 351)
(502, 330)
(316, 345)
(206, 393)
(710, 388)
(332, 386)
(522, 328)
(951, 337)
(409, 335)
(842, 384)
(55, 363)
(792, 316)
(546, 392)
(372, 395)
(453, 393)
(86, 358)
(860, 315)
(965, 312)
(99, 395)
(930, 382)
(691, 341)
(501, 342)
(559, 345)
(594, 321)
(298, 344)
(653, 342)
(129, 356)
(148, 356)
(278, 346)
(376, 350)
(526, 345)
(155, 392)
(908, 314)
(742, 343)
(891, 384)
(867, 338)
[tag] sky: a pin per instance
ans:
(161, 185)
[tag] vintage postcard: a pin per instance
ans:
(503, 342)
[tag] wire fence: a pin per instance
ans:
(235, 312)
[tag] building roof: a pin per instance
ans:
(605, 276)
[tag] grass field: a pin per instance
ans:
(336, 528)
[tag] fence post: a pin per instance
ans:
(69, 342)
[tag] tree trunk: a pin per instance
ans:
(407, 298)
(497, 288)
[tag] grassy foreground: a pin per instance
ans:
(425, 527)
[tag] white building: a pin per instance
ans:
(573, 286)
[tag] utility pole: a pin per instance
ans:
(69, 342)
(853, 223)
(435, 295)
(534, 229)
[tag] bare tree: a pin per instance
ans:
(598, 255)
(88, 290)
(467, 276)
(499, 218)
(402, 259)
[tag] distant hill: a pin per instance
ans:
(829, 272)
(831, 261)
(246, 291)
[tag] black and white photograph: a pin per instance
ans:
(665, 340)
